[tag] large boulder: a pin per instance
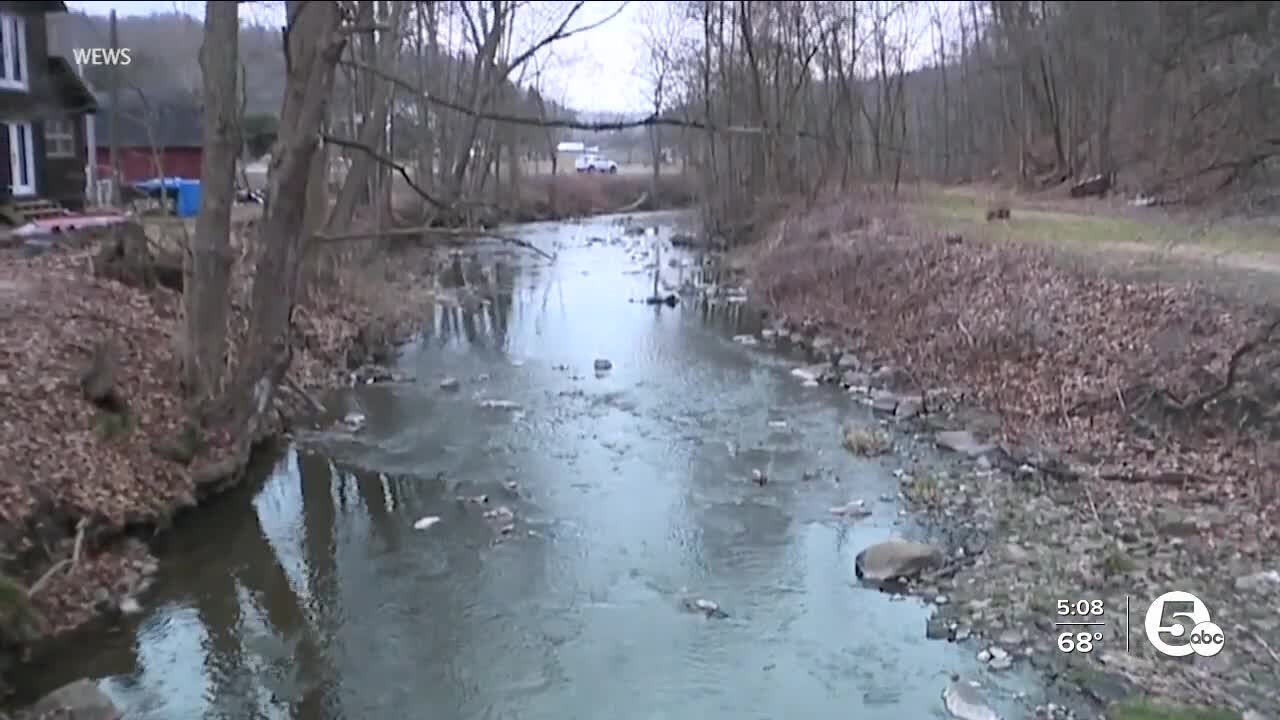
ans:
(894, 559)
(80, 700)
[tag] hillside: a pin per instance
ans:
(166, 59)
(165, 53)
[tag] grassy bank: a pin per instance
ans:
(1089, 223)
(1149, 243)
(1143, 412)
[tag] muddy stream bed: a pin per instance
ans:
(610, 501)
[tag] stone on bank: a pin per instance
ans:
(896, 559)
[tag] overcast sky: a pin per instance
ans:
(594, 70)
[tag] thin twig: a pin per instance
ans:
(1093, 506)
(1270, 651)
(39, 584)
(81, 526)
(382, 159)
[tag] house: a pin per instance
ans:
(161, 137)
(45, 111)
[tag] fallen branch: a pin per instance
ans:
(1160, 478)
(70, 563)
(1275, 657)
(310, 399)
(1233, 366)
(44, 579)
(1095, 404)
(633, 205)
(441, 232)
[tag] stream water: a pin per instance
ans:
(311, 595)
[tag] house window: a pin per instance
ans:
(13, 52)
(59, 138)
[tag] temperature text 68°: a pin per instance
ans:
(1078, 641)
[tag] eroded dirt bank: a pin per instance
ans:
(1121, 439)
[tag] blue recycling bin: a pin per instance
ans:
(185, 193)
(188, 198)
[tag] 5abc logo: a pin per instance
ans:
(1182, 617)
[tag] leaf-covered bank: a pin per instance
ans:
(1125, 435)
(95, 432)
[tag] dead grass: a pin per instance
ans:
(547, 197)
(867, 442)
(1086, 225)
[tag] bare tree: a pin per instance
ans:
(314, 42)
(379, 48)
(662, 40)
(210, 256)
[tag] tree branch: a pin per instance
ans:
(391, 163)
(653, 119)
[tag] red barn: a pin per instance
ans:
(167, 134)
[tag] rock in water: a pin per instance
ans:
(354, 421)
(964, 703)
(499, 405)
(894, 559)
(810, 373)
(130, 606)
(851, 509)
(709, 608)
(602, 365)
(81, 700)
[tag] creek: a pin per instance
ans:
(309, 593)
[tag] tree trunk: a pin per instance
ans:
(655, 147)
(313, 44)
(209, 262)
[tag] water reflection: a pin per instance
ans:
(312, 596)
